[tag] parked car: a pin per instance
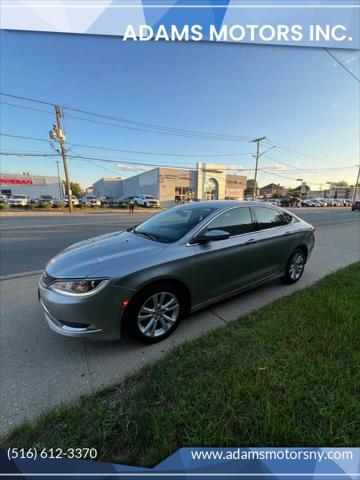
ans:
(149, 277)
(125, 200)
(318, 202)
(109, 202)
(4, 199)
(308, 203)
(19, 200)
(90, 201)
(147, 201)
(334, 203)
(74, 200)
(356, 206)
(46, 200)
(347, 202)
(323, 202)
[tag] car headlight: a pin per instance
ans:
(78, 288)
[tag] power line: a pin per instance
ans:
(288, 178)
(156, 126)
(29, 154)
(26, 107)
(297, 152)
(24, 138)
(28, 99)
(96, 147)
(328, 169)
(167, 154)
(341, 64)
(264, 169)
(140, 126)
(139, 129)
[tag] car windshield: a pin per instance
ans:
(46, 197)
(149, 196)
(19, 197)
(174, 223)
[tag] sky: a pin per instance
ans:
(296, 97)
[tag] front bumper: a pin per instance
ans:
(96, 317)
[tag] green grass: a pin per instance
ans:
(286, 375)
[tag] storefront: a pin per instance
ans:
(177, 185)
(32, 185)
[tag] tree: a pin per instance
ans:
(75, 189)
(250, 187)
(341, 184)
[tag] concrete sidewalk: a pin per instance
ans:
(40, 369)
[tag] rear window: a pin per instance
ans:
(270, 218)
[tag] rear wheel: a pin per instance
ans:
(156, 312)
(145, 204)
(295, 266)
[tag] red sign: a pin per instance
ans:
(16, 181)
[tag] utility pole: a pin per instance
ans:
(257, 141)
(356, 185)
(59, 180)
(61, 138)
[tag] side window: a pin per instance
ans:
(235, 221)
(270, 218)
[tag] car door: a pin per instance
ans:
(277, 238)
(225, 266)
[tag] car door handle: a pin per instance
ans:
(252, 240)
(288, 233)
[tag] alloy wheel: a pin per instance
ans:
(296, 266)
(158, 314)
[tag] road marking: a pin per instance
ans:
(20, 275)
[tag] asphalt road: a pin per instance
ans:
(27, 243)
(40, 369)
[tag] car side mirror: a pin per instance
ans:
(212, 236)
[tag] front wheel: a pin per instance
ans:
(156, 312)
(295, 266)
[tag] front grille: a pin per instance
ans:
(47, 280)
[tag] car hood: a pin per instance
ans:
(92, 257)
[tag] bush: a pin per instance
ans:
(58, 205)
(4, 206)
(43, 205)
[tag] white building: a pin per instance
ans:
(173, 185)
(32, 185)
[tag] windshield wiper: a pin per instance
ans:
(146, 234)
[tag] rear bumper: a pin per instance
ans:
(95, 317)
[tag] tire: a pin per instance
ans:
(154, 329)
(145, 205)
(295, 266)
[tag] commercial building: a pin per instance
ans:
(106, 187)
(32, 185)
(174, 185)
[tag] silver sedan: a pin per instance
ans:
(149, 277)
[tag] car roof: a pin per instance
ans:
(221, 204)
